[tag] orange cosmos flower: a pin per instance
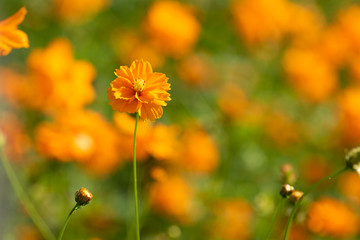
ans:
(10, 36)
(197, 71)
(280, 122)
(55, 76)
(232, 220)
(78, 11)
(249, 17)
(349, 116)
(163, 143)
(200, 152)
(17, 142)
(139, 89)
(314, 168)
(313, 84)
(173, 196)
(12, 86)
(349, 22)
(232, 101)
(82, 136)
(329, 217)
(172, 27)
(349, 185)
(125, 126)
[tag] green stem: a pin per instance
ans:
(76, 207)
(282, 200)
(135, 182)
(297, 204)
(25, 200)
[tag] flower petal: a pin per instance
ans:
(141, 69)
(123, 105)
(14, 38)
(122, 89)
(125, 72)
(146, 97)
(14, 20)
(4, 49)
(150, 111)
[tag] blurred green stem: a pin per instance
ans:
(25, 200)
(297, 204)
(135, 181)
(278, 207)
(76, 207)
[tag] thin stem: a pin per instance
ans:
(282, 200)
(76, 207)
(25, 200)
(297, 204)
(135, 182)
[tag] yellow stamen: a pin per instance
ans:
(139, 85)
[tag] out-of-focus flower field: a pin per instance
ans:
(255, 84)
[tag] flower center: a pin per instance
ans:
(139, 85)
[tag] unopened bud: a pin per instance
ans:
(286, 190)
(352, 159)
(288, 175)
(295, 196)
(83, 196)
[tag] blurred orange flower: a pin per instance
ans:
(163, 143)
(139, 89)
(81, 136)
(334, 46)
(299, 232)
(349, 116)
(172, 27)
(196, 71)
(78, 11)
(125, 126)
(283, 18)
(329, 217)
(316, 85)
(279, 122)
(232, 220)
(10, 36)
(307, 24)
(199, 152)
(172, 196)
(128, 45)
(57, 81)
(232, 101)
(349, 22)
(314, 168)
(249, 19)
(349, 185)
(12, 86)
(17, 142)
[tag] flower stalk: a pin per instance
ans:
(278, 207)
(135, 181)
(22, 195)
(82, 198)
(298, 202)
(76, 207)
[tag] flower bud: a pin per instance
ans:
(295, 196)
(352, 159)
(286, 190)
(287, 174)
(83, 196)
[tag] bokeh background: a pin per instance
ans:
(255, 84)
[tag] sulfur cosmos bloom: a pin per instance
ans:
(139, 89)
(10, 36)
